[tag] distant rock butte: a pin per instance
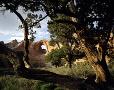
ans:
(37, 52)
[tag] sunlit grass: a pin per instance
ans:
(81, 70)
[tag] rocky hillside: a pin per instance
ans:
(12, 44)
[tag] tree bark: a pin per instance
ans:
(70, 59)
(103, 62)
(26, 40)
(70, 64)
(99, 66)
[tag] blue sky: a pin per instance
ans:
(9, 23)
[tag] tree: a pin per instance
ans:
(56, 57)
(32, 20)
(97, 17)
(38, 74)
(63, 34)
(99, 12)
(13, 7)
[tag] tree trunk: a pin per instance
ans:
(70, 58)
(100, 67)
(26, 43)
(103, 62)
(70, 64)
(26, 40)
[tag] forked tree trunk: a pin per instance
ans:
(100, 67)
(103, 62)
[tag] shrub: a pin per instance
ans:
(38, 85)
(48, 86)
(58, 88)
(16, 83)
(56, 57)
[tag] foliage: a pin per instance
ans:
(48, 86)
(60, 56)
(95, 23)
(96, 19)
(32, 20)
(56, 56)
(28, 23)
(16, 83)
(59, 88)
(63, 33)
(13, 83)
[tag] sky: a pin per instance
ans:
(9, 31)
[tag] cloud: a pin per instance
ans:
(43, 33)
(17, 34)
(17, 38)
(1, 33)
(9, 28)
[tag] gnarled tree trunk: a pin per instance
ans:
(100, 67)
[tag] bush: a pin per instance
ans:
(56, 57)
(16, 83)
(58, 88)
(48, 86)
(38, 85)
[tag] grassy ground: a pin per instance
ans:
(16, 83)
(81, 70)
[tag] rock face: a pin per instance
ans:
(12, 44)
(36, 53)
(48, 46)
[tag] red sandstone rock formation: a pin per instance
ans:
(36, 53)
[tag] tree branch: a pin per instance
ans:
(38, 21)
